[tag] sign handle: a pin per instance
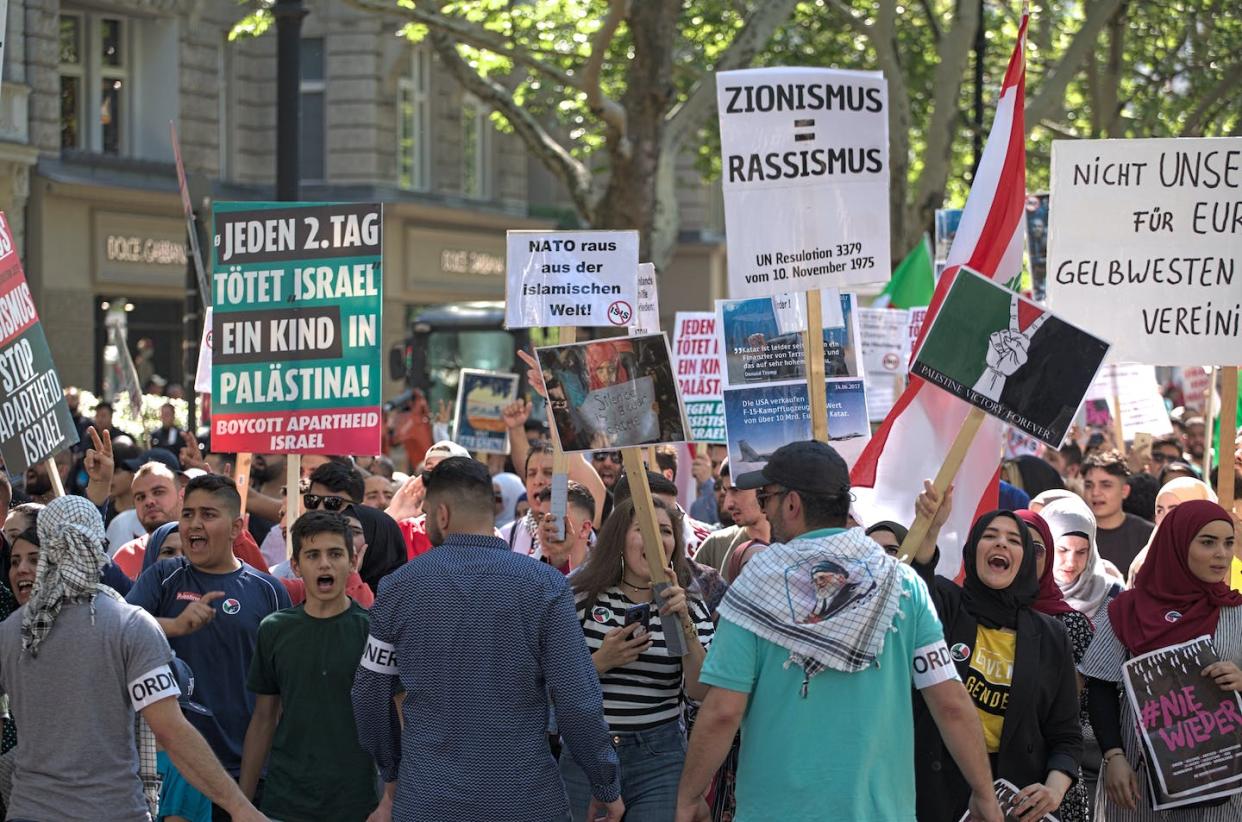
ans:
(560, 461)
(1228, 433)
(1209, 415)
(813, 349)
(944, 477)
(54, 474)
(1119, 434)
(293, 497)
(241, 476)
(675, 631)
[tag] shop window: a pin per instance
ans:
(313, 125)
(414, 123)
(476, 145)
(95, 82)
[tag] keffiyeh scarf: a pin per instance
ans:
(829, 600)
(71, 555)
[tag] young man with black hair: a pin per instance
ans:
(1164, 451)
(332, 487)
(571, 552)
(784, 661)
(492, 639)
(301, 673)
(210, 605)
(335, 481)
(748, 524)
(1119, 535)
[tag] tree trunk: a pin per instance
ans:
(629, 199)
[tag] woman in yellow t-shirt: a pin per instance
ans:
(1017, 665)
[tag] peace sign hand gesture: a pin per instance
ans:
(99, 466)
(1007, 351)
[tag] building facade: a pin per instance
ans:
(88, 181)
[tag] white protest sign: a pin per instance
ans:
(805, 176)
(1143, 245)
(696, 361)
(1137, 393)
(883, 337)
(1196, 380)
(578, 278)
(647, 312)
(202, 375)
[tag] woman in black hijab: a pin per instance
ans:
(889, 535)
(1016, 663)
(385, 545)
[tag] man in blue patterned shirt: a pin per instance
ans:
(480, 639)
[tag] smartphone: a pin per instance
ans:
(640, 614)
(1142, 444)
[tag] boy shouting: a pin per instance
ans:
(302, 673)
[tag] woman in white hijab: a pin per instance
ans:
(506, 488)
(1172, 494)
(1078, 569)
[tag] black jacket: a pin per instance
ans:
(1041, 732)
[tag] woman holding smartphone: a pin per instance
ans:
(644, 688)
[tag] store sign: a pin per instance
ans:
(144, 250)
(464, 261)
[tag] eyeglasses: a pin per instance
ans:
(1161, 457)
(610, 456)
(311, 502)
(762, 497)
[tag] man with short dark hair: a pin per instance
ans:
(333, 486)
(748, 524)
(1119, 535)
(1164, 452)
(785, 659)
(168, 435)
(570, 552)
(491, 637)
(157, 501)
(1194, 438)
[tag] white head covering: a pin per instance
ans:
(511, 487)
(1070, 515)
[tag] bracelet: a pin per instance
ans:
(1114, 755)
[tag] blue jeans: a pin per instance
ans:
(651, 763)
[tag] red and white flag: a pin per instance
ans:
(911, 444)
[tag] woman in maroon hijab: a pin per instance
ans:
(1075, 806)
(1180, 593)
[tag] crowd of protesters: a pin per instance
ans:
(435, 645)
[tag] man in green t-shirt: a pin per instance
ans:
(821, 640)
(302, 673)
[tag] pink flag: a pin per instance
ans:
(916, 435)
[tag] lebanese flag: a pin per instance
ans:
(912, 442)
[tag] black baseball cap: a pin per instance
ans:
(160, 455)
(809, 466)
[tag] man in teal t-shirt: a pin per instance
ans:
(821, 640)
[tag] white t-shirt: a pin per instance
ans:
(273, 547)
(122, 529)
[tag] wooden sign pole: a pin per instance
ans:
(53, 474)
(944, 478)
(816, 382)
(1119, 433)
(560, 460)
(241, 476)
(293, 496)
(1228, 435)
(676, 631)
(1209, 419)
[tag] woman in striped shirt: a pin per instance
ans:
(644, 688)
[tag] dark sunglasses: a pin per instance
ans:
(311, 502)
(610, 456)
(762, 497)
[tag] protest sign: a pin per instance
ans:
(762, 418)
(647, 313)
(478, 424)
(1190, 728)
(202, 374)
(696, 361)
(35, 422)
(884, 343)
(1018, 444)
(571, 278)
(1009, 357)
(805, 178)
(761, 338)
(613, 393)
(1132, 390)
(1196, 381)
(297, 299)
(1007, 796)
(1144, 243)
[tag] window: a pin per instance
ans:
(312, 126)
(476, 147)
(413, 123)
(94, 83)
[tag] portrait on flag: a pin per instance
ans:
(1009, 356)
(613, 393)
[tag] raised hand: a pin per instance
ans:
(533, 374)
(99, 466)
(191, 455)
(515, 414)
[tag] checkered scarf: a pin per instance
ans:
(71, 555)
(842, 627)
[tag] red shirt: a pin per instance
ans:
(355, 588)
(129, 556)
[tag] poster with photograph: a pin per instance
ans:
(1136, 391)
(1009, 356)
(762, 418)
(1007, 796)
(613, 393)
(761, 338)
(478, 424)
(1190, 728)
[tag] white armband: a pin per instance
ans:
(380, 657)
(933, 665)
(153, 686)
